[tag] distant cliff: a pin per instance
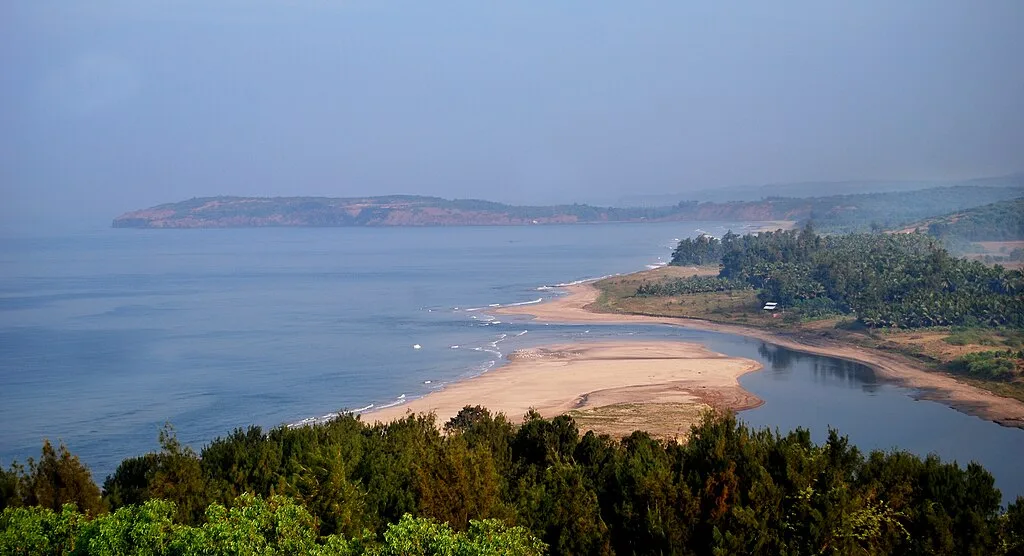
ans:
(840, 211)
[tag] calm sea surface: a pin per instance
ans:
(107, 335)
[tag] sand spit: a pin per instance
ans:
(671, 380)
(573, 308)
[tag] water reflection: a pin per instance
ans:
(816, 392)
(781, 361)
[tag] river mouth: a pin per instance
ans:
(105, 337)
(818, 392)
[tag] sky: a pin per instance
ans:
(112, 106)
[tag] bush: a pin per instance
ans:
(693, 284)
(997, 365)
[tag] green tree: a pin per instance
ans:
(179, 478)
(59, 478)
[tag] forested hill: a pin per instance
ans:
(885, 280)
(834, 213)
(1002, 221)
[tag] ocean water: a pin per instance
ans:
(106, 336)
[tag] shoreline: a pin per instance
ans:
(574, 308)
(608, 386)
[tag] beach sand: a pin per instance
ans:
(660, 386)
(610, 387)
(573, 308)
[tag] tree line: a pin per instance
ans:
(487, 486)
(694, 284)
(1003, 221)
(886, 280)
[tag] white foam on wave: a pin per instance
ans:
(326, 417)
(521, 303)
(492, 347)
(497, 305)
(521, 333)
(580, 281)
(398, 401)
(484, 367)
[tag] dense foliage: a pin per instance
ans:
(1003, 221)
(252, 525)
(898, 280)
(694, 284)
(700, 250)
(489, 487)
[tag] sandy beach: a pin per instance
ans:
(573, 308)
(660, 386)
(602, 384)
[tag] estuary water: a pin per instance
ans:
(107, 335)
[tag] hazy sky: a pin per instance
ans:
(110, 106)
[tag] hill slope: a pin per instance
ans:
(1002, 221)
(835, 213)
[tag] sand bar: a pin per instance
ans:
(574, 308)
(671, 376)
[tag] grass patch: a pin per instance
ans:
(968, 336)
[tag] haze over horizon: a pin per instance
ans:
(112, 106)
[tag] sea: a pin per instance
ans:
(108, 335)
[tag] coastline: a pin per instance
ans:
(575, 308)
(611, 387)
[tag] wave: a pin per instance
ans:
(497, 305)
(580, 281)
(534, 302)
(401, 400)
(327, 417)
(484, 367)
